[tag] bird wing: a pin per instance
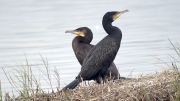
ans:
(99, 57)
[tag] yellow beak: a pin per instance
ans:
(118, 14)
(78, 33)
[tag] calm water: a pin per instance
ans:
(38, 26)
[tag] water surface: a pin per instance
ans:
(38, 27)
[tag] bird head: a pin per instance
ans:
(113, 15)
(78, 32)
(81, 31)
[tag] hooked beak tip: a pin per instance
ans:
(69, 31)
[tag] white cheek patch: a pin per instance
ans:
(82, 34)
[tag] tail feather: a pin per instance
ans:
(72, 85)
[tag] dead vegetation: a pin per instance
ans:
(164, 86)
(152, 87)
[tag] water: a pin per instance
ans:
(38, 26)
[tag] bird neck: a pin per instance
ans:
(107, 25)
(78, 39)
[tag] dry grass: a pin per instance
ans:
(152, 87)
(164, 86)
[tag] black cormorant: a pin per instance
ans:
(81, 46)
(101, 55)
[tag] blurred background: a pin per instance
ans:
(29, 28)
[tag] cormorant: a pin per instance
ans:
(101, 55)
(81, 46)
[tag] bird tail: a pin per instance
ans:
(72, 85)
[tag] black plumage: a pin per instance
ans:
(81, 46)
(101, 55)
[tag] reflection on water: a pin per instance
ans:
(33, 27)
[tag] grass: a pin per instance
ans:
(163, 86)
(176, 82)
(144, 88)
(26, 84)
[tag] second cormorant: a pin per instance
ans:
(81, 47)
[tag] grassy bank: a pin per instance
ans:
(164, 86)
(152, 87)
